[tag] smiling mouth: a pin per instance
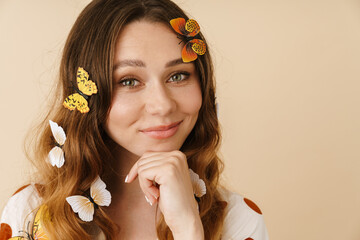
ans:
(162, 132)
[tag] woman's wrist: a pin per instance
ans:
(193, 231)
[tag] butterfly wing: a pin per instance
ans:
(99, 194)
(189, 28)
(85, 85)
(192, 27)
(17, 238)
(38, 231)
(198, 46)
(82, 206)
(70, 102)
(178, 24)
(192, 49)
(56, 157)
(187, 54)
(76, 101)
(58, 132)
(198, 184)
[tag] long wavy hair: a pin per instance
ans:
(91, 45)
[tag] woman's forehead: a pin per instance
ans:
(148, 41)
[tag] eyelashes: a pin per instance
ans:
(179, 76)
(132, 82)
(129, 82)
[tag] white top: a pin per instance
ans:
(243, 220)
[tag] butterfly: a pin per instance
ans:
(37, 232)
(189, 29)
(85, 206)
(86, 88)
(198, 184)
(56, 154)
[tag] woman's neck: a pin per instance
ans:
(121, 164)
(129, 208)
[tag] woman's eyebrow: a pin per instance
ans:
(174, 62)
(139, 63)
(129, 63)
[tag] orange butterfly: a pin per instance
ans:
(189, 29)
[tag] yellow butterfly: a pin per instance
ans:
(37, 232)
(86, 88)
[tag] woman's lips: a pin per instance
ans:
(161, 132)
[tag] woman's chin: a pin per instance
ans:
(158, 148)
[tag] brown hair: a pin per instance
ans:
(91, 45)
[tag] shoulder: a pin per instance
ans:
(243, 220)
(19, 210)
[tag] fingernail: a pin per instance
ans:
(148, 200)
(126, 179)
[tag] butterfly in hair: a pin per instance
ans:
(37, 232)
(85, 206)
(189, 29)
(85, 89)
(56, 154)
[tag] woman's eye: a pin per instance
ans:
(129, 83)
(179, 77)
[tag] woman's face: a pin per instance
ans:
(157, 97)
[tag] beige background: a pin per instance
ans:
(289, 94)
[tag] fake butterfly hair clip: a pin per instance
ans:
(189, 29)
(85, 206)
(56, 155)
(85, 89)
(198, 185)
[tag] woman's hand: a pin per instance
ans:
(164, 178)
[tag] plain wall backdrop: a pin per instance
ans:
(289, 102)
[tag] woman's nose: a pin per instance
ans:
(159, 100)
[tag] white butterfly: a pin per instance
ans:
(198, 184)
(84, 207)
(56, 155)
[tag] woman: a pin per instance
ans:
(139, 112)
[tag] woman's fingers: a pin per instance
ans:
(151, 177)
(147, 180)
(149, 187)
(132, 173)
(148, 175)
(155, 169)
(167, 174)
(145, 158)
(151, 191)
